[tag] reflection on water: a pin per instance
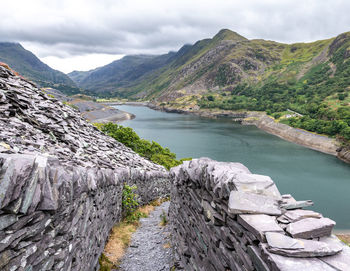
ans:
(304, 173)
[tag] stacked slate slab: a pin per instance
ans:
(61, 182)
(226, 218)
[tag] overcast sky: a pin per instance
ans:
(83, 34)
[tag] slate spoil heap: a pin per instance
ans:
(61, 181)
(226, 218)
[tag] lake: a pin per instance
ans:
(304, 173)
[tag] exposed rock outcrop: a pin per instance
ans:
(344, 154)
(61, 181)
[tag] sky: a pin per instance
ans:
(84, 34)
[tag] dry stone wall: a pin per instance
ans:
(61, 182)
(226, 218)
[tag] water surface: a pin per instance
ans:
(304, 173)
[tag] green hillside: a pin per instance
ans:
(29, 66)
(109, 79)
(233, 73)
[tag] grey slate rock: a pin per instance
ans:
(296, 215)
(7, 220)
(311, 228)
(258, 184)
(259, 224)
(282, 263)
(61, 182)
(341, 261)
(250, 203)
(258, 262)
(290, 247)
(297, 204)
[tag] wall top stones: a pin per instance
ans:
(232, 217)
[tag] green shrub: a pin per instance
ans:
(150, 150)
(129, 199)
(105, 263)
(164, 219)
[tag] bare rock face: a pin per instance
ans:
(250, 226)
(344, 154)
(61, 181)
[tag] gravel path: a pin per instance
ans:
(149, 249)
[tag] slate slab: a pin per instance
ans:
(259, 225)
(311, 228)
(258, 262)
(249, 203)
(258, 184)
(296, 215)
(287, 246)
(282, 263)
(341, 261)
(297, 204)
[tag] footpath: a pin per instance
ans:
(150, 245)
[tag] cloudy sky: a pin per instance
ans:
(83, 34)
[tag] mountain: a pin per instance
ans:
(29, 66)
(119, 74)
(231, 72)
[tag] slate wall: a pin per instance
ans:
(225, 218)
(55, 217)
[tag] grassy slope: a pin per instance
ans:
(29, 66)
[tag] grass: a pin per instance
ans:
(120, 236)
(345, 238)
(334, 103)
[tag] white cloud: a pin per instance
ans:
(63, 31)
(80, 62)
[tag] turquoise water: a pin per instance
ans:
(304, 173)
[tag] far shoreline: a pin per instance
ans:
(262, 121)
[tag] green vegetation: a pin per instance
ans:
(164, 219)
(71, 105)
(150, 150)
(120, 236)
(320, 94)
(129, 201)
(232, 73)
(29, 66)
(105, 263)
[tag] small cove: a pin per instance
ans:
(304, 173)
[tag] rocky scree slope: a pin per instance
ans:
(61, 181)
(31, 122)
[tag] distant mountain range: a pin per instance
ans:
(226, 72)
(29, 66)
(225, 62)
(231, 72)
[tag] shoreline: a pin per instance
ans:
(262, 121)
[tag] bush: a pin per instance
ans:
(211, 98)
(129, 200)
(152, 151)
